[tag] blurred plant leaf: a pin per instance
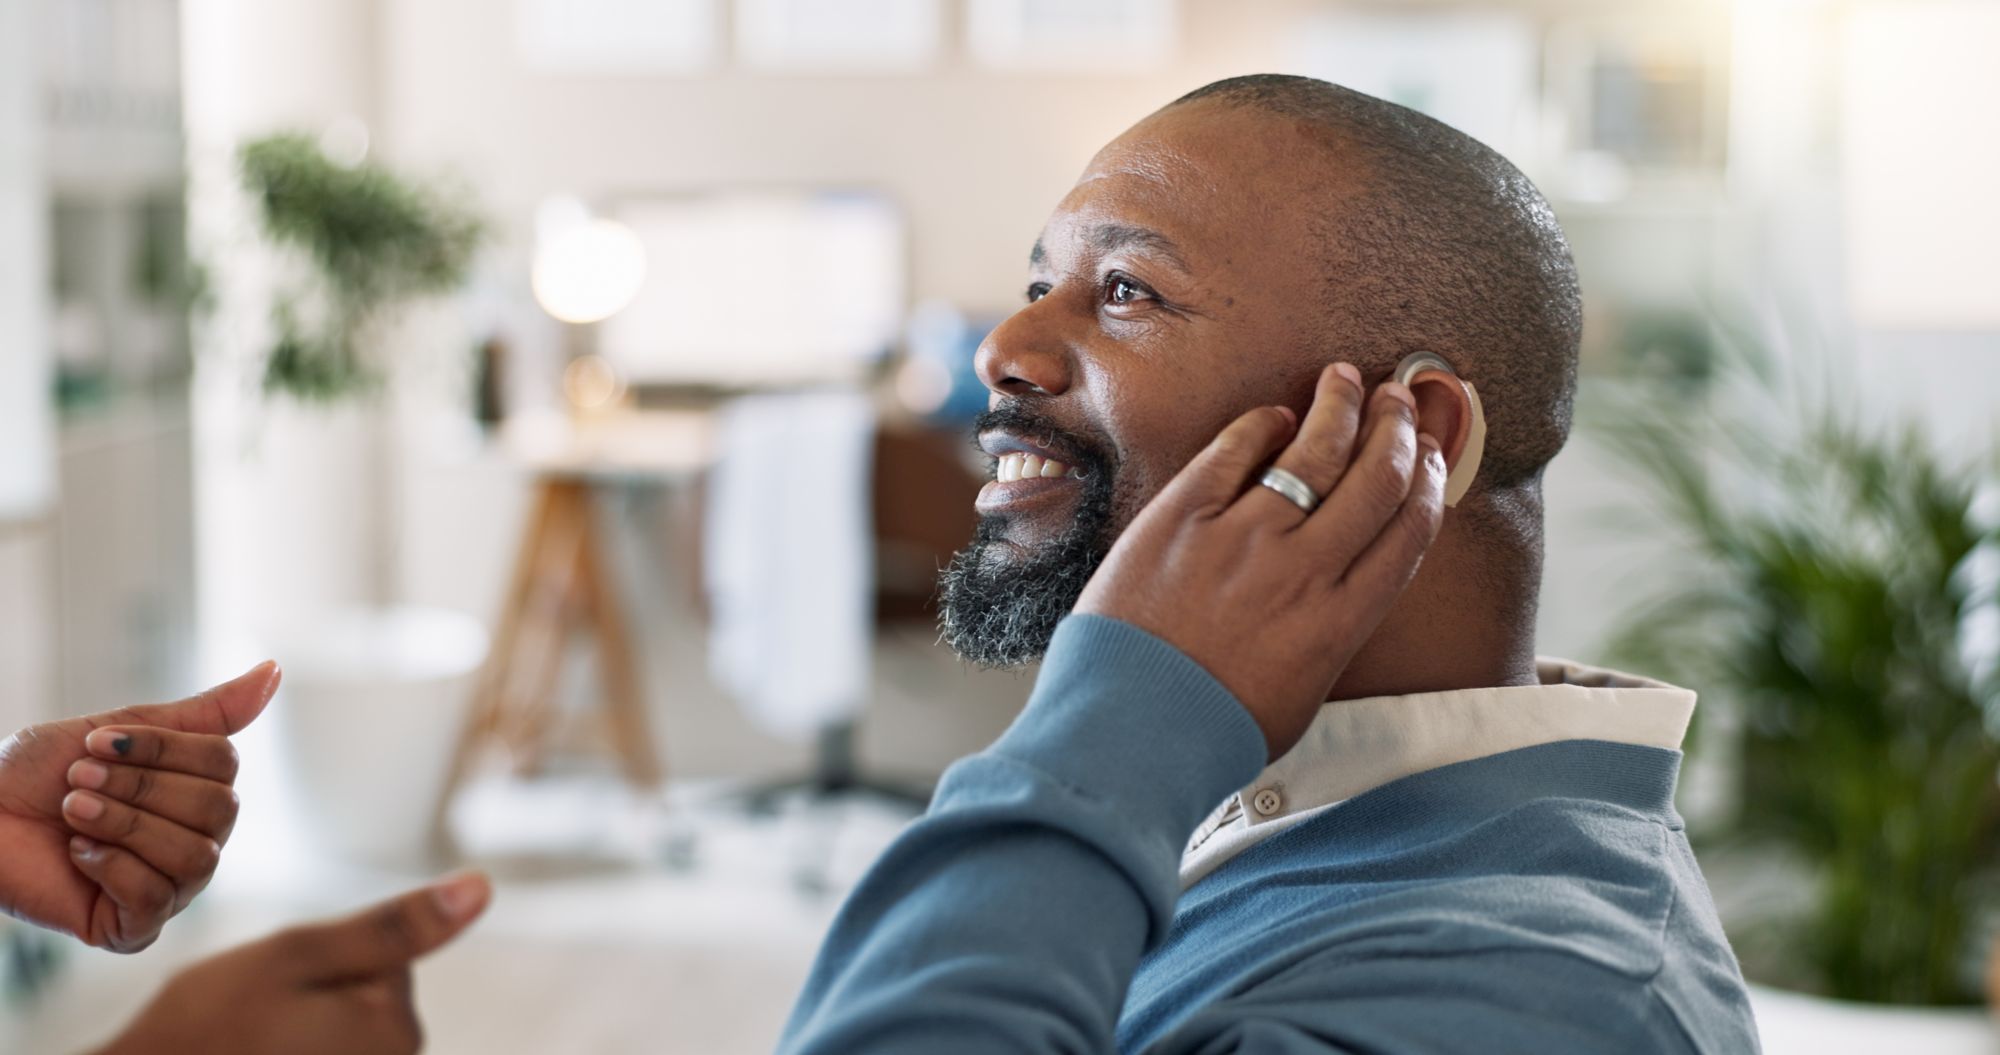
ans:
(1828, 609)
(375, 241)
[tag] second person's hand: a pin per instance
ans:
(339, 988)
(112, 822)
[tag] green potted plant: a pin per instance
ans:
(374, 241)
(1840, 576)
(357, 245)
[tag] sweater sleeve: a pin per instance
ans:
(1012, 915)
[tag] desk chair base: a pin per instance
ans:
(834, 774)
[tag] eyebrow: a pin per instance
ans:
(1111, 237)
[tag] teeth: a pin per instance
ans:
(1012, 467)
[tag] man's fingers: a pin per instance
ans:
(207, 806)
(1326, 440)
(1219, 473)
(389, 935)
(141, 897)
(1377, 577)
(1376, 483)
(211, 757)
(181, 854)
(223, 710)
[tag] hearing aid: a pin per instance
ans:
(1460, 478)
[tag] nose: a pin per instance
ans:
(1021, 357)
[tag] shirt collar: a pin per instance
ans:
(1354, 746)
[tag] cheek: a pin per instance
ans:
(1161, 401)
(1156, 449)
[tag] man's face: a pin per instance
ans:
(1179, 284)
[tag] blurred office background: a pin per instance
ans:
(572, 396)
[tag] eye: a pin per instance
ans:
(1037, 290)
(1118, 289)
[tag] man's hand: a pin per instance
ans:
(341, 988)
(111, 823)
(1271, 601)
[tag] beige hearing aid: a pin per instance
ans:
(1455, 485)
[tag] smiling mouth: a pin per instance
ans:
(1029, 485)
(1019, 466)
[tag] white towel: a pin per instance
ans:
(790, 558)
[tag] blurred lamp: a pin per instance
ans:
(771, 286)
(587, 270)
(591, 385)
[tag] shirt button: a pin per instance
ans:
(1267, 802)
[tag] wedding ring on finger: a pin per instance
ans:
(1292, 488)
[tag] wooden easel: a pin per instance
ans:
(560, 584)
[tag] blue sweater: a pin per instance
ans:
(1541, 900)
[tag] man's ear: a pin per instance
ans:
(1448, 409)
(1443, 411)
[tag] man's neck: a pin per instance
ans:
(1458, 626)
(1445, 659)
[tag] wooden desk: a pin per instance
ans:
(561, 584)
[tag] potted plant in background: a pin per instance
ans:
(359, 245)
(1840, 613)
(376, 242)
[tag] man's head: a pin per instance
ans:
(1214, 258)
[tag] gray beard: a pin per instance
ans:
(1000, 612)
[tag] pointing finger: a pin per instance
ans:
(389, 935)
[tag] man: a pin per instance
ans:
(111, 823)
(1426, 841)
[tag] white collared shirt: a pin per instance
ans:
(1357, 745)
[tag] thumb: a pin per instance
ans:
(389, 935)
(224, 710)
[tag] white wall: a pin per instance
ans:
(27, 457)
(26, 429)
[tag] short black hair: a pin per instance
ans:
(1449, 249)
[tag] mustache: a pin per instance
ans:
(1095, 454)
